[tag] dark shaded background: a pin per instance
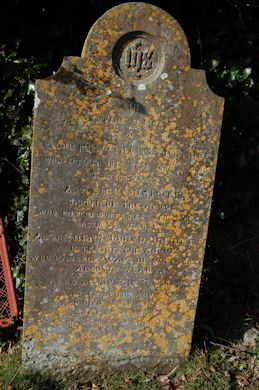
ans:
(224, 39)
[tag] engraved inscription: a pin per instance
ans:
(124, 150)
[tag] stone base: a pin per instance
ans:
(62, 364)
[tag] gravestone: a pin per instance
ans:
(124, 154)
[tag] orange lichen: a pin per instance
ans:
(123, 191)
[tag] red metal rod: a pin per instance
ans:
(7, 273)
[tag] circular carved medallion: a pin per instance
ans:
(136, 57)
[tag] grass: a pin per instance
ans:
(222, 367)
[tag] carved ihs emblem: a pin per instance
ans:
(139, 58)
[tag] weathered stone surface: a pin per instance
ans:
(124, 155)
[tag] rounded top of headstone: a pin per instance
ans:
(138, 41)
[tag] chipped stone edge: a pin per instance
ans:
(51, 365)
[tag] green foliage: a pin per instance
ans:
(227, 47)
(13, 373)
(223, 367)
(16, 99)
(233, 366)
